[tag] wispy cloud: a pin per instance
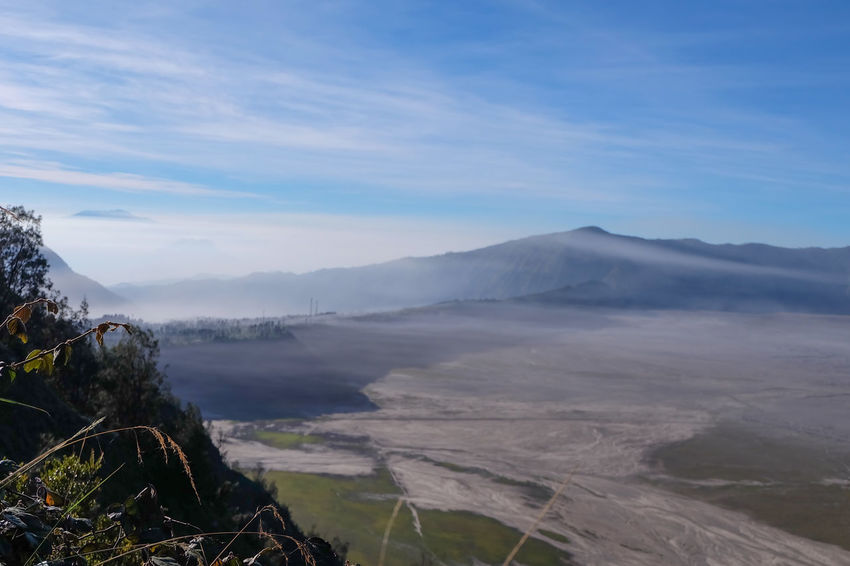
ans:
(125, 182)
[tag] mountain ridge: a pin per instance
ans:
(116, 287)
(78, 287)
(653, 273)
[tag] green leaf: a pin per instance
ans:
(46, 365)
(38, 362)
(12, 375)
(16, 327)
(131, 508)
(33, 364)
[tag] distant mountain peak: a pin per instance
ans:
(77, 287)
(56, 263)
(114, 214)
(592, 230)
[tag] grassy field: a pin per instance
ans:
(783, 482)
(356, 510)
(285, 440)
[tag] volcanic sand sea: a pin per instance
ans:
(472, 430)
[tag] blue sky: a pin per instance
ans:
(298, 135)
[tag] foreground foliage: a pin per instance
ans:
(38, 524)
(138, 479)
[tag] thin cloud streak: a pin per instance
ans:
(124, 182)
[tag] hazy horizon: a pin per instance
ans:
(426, 251)
(586, 266)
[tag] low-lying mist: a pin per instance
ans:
(623, 271)
(327, 362)
(790, 367)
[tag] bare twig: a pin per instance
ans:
(272, 537)
(29, 305)
(242, 530)
(94, 330)
(10, 213)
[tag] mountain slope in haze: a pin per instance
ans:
(690, 274)
(76, 287)
(588, 265)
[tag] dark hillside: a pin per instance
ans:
(122, 385)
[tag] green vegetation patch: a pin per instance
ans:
(780, 481)
(353, 509)
(458, 536)
(285, 440)
(745, 453)
(356, 510)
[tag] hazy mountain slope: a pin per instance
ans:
(626, 271)
(690, 274)
(76, 287)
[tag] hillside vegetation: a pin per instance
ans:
(111, 493)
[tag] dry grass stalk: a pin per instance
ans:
(302, 548)
(389, 528)
(176, 539)
(161, 439)
(138, 448)
(79, 436)
(185, 461)
(278, 516)
(165, 442)
(537, 521)
(308, 557)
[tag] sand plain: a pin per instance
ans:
(473, 430)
